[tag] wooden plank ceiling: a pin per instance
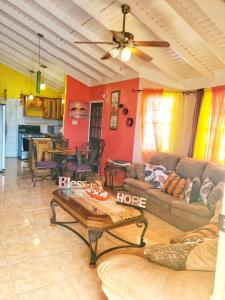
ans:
(194, 28)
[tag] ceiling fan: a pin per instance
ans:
(123, 42)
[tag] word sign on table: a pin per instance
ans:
(130, 200)
(66, 183)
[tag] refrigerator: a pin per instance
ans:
(2, 137)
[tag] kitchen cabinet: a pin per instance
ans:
(47, 108)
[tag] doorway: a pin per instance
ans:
(95, 124)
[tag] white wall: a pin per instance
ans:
(14, 117)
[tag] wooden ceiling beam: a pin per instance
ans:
(21, 58)
(175, 45)
(16, 66)
(192, 23)
(79, 33)
(157, 61)
(56, 52)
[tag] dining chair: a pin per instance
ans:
(100, 144)
(51, 165)
(83, 168)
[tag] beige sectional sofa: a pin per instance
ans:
(186, 216)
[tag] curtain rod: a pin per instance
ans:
(183, 92)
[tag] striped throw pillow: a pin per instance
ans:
(175, 185)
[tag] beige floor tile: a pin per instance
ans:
(59, 291)
(74, 262)
(6, 284)
(34, 273)
(13, 218)
(88, 286)
(60, 239)
(3, 261)
(35, 215)
(15, 233)
(25, 249)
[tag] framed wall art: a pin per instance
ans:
(114, 107)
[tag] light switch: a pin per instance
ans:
(74, 122)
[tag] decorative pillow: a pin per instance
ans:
(215, 195)
(205, 190)
(176, 186)
(192, 190)
(206, 232)
(155, 174)
(203, 256)
(173, 256)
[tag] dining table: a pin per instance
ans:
(66, 158)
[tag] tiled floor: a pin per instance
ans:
(39, 261)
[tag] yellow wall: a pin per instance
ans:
(14, 82)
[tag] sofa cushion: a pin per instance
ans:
(215, 195)
(140, 171)
(162, 199)
(206, 188)
(131, 171)
(215, 217)
(203, 256)
(195, 208)
(135, 278)
(215, 172)
(140, 185)
(173, 256)
(190, 168)
(166, 159)
(192, 190)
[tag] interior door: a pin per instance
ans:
(95, 127)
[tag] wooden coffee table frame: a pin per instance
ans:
(94, 234)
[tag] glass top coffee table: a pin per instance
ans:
(97, 217)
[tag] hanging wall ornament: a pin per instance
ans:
(130, 122)
(125, 111)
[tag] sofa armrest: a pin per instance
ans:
(132, 277)
(131, 171)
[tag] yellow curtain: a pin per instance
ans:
(161, 122)
(210, 137)
(173, 110)
(202, 135)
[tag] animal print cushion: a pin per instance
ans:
(173, 256)
(205, 190)
(155, 174)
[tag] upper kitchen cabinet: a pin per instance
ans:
(48, 108)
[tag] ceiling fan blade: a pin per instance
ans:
(151, 43)
(106, 56)
(87, 42)
(141, 54)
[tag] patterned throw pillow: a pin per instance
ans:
(192, 190)
(155, 174)
(176, 186)
(206, 232)
(173, 256)
(205, 190)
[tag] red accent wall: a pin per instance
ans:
(77, 134)
(120, 142)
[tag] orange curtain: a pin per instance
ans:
(216, 145)
(151, 102)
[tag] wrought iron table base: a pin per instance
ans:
(95, 235)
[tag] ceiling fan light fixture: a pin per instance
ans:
(126, 54)
(114, 52)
